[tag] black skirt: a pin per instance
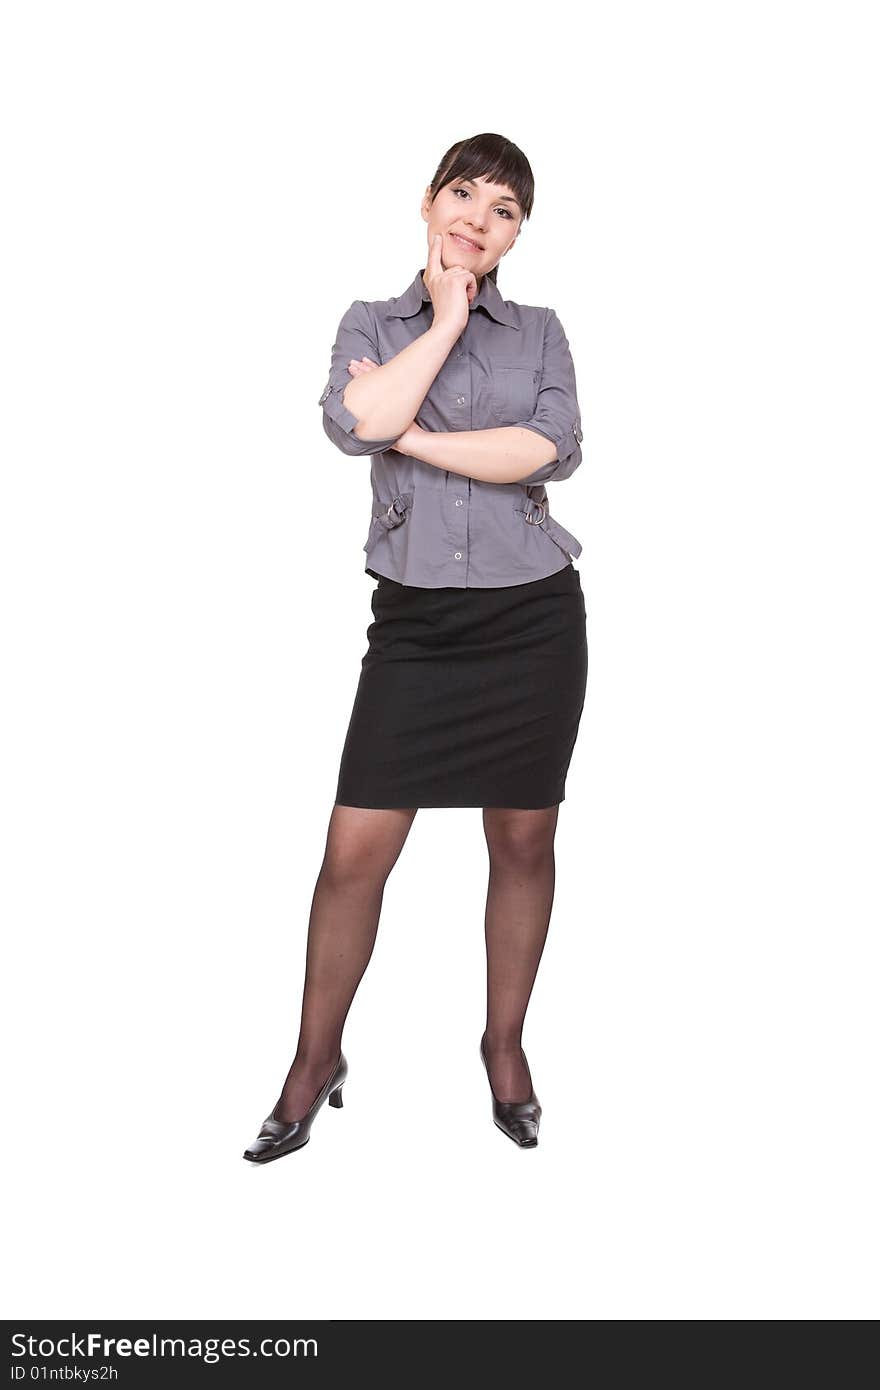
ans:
(467, 697)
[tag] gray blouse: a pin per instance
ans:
(511, 366)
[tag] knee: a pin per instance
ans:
(520, 838)
(363, 848)
(352, 862)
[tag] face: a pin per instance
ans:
(486, 214)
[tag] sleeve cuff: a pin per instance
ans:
(339, 414)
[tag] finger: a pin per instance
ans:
(435, 264)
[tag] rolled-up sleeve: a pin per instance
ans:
(557, 414)
(355, 338)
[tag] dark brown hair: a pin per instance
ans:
(493, 158)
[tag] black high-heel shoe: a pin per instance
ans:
(519, 1119)
(278, 1138)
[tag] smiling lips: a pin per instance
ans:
(464, 243)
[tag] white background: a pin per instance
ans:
(194, 194)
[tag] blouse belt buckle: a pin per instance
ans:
(395, 513)
(536, 520)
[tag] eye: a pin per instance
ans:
(506, 211)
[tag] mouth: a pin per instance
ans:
(465, 243)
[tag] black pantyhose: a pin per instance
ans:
(362, 848)
(522, 881)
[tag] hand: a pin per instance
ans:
(360, 368)
(452, 289)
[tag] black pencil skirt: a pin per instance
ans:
(467, 697)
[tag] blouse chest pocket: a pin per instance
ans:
(513, 390)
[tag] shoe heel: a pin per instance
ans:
(335, 1098)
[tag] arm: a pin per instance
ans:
(366, 415)
(388, 398)
(546, 446)
(355, 337)
(504, 455)
(557, 416)
(492, 455)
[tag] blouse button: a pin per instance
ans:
(458, 554)
(458, 502)
(460, 400)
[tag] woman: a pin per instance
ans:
(472, 688)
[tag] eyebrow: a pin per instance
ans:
(502, 199)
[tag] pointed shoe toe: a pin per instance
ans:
(519, 1121)
(278, 1137)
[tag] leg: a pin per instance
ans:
(362, 849)
(522, 880)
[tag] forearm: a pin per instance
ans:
(387, 399)
(501, 455)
